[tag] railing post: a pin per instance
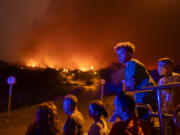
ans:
(158, 91)
(103, 81)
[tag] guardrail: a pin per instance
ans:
(158, 89)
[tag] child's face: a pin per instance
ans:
(164, 69)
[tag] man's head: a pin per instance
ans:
(124, 105)
(165, 66)
(70, 103)
(124, 51)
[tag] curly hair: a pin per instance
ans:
(126, 45)
(46, 120)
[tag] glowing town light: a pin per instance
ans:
(92, 67)
(65, 70)
(84, 69)
(95, 73)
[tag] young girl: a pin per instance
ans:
(96, 112)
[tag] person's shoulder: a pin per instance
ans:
(77, 117)
(136, 62)
(131, 63)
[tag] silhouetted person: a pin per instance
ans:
(46, 122)
(75, 122)
(96, 112)
(129, 124)
(136, 75)
(170, 97)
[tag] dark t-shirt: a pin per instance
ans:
(132, 126)
(74, 124)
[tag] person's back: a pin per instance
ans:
(135, 69)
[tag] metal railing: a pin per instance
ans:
(158, 89)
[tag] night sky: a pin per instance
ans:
(81, 33)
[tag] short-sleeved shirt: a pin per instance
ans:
(136, 71)
(132, 126)
(170, 97)
(74, 124)
(98, 128)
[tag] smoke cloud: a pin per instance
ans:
(81, 33)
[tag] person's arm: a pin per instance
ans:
(113, 117)
(130, 80)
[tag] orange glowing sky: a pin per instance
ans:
(82, 33)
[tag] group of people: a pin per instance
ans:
(136, 76)
(47, 122)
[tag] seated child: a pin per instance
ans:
(170, 96)
(129, 124)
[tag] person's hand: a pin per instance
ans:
(130, 84)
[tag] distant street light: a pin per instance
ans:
(11, 81)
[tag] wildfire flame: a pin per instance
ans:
(37, 64)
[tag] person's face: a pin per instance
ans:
(91, 111)
(164, 68)
(67, 106)
(123, 55)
